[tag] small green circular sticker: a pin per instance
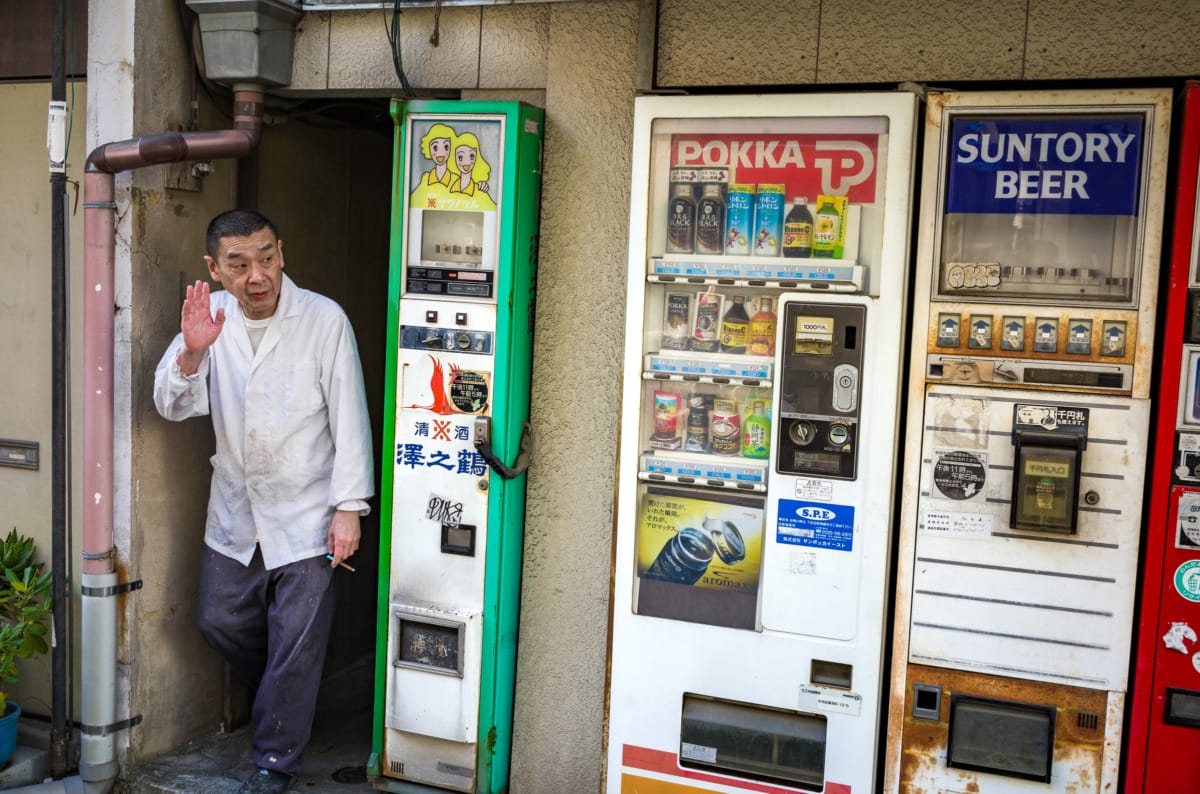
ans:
(1187, 580)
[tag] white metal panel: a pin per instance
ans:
(1036, 605)
(434, 451)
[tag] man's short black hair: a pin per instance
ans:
(235, 223)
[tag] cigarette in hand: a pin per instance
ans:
(340, 564)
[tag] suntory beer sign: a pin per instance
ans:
(1075, 165)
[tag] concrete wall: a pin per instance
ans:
(579, 58)
(25, 329)
(308, 179)
(174, 680)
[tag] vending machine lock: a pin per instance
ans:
(1049, 442)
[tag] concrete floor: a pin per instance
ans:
(334, 763)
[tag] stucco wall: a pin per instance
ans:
(576, 378)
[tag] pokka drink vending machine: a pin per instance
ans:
(1026, 444)
(464, 251)
(758, 445)
(1165, 702)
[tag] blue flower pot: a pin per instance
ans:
(8, 731)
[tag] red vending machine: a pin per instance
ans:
(1165, 707)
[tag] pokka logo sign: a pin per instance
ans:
(807, 165)
(1083, 165)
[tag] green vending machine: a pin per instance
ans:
(465, 203)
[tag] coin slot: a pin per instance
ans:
(851, 340)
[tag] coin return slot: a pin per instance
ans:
(927, 702)
(1182, 707)
(1001, 737)
(753, 741)
(831, 673)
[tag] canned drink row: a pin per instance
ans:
(713, 218)
(711, 425)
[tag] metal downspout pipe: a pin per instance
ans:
(98, 762)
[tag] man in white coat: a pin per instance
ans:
(277, 368)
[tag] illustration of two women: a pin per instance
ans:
(461, 177)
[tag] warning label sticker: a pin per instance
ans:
(960, 475)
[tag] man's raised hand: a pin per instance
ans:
(200, 329)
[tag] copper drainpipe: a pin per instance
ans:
(97, 763)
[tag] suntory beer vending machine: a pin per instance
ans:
(464, 250)
(1164, 724)
(1028, 412)
(768, 271)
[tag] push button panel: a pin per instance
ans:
(1074, 337)
(1083, 350)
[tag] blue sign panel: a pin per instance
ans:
(821, 526)
(1073, 165)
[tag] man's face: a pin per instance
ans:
(251, 269)
(439, 149)
(464, 156)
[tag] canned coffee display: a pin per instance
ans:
(683, 559)
(727, 541)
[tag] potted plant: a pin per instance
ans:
(25, 606)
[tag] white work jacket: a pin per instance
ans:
(293, 434)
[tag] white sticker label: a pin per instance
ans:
(819, 490)
(946, 522)
(1189, 442)
(1188, 519)
(698, 752)
(1178, 635)
(833, 701)
(802, 563)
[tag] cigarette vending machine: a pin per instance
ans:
(1027, 420)
(768, 272)
(1165, 702)
(460, 314)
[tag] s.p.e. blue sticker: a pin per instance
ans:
(815, 524)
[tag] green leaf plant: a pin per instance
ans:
(25, 607)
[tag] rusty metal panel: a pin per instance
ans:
(1083, 725)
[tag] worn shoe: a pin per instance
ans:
(266, 781)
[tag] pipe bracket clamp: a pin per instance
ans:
(99, 205)
(105, 730)
(117, 589)
(99, 555)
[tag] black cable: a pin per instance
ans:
(393, 37)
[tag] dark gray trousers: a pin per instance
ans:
(273, 628)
